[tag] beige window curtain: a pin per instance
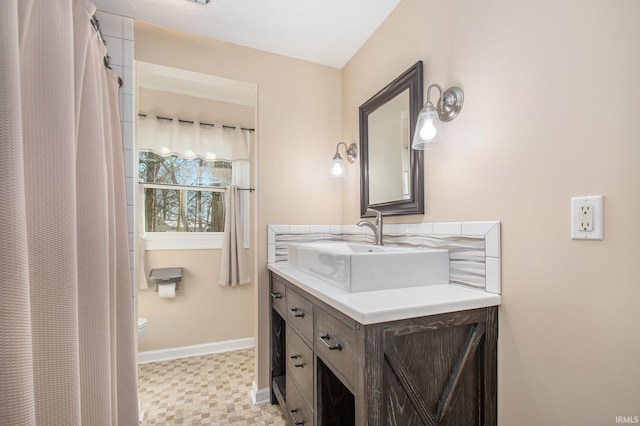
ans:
(234, 268)
(67, 329)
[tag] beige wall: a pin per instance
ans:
(552, 110)
(202, 311)
(298, 126)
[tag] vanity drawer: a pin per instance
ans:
(334, 344)
(298, 411)
(300, 363)
(300, 314)
(278, 296)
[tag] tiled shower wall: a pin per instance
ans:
(474, 247)
(118, 34)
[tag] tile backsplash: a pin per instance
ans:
(474, 247)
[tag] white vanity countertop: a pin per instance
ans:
(373, 307)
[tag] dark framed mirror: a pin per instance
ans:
(392, 174)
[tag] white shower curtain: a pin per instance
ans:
(67, 343)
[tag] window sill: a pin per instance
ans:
(183, 240)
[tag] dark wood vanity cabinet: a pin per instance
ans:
(327, 369)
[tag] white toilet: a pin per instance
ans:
(142, 327)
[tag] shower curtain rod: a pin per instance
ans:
(107, 60)
(180, 120)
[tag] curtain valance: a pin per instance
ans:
(191, 140)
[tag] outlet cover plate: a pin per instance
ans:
(594, 205)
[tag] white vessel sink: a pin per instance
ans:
(357, 267)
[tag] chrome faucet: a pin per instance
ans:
(377, 228)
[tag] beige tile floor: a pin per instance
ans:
(205, 390)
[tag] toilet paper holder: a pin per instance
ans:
(166, 276)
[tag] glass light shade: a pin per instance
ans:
(428, 128)
(337, 169)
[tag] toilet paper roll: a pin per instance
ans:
(167, 291)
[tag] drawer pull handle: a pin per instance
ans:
(293, 359)
(293, 415)
(297, 312)
(325, 339)
(276, 295)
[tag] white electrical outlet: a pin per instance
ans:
(587, 218)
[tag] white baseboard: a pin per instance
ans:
(195, 350)
(259, 396)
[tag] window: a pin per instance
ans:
(183, 200)
(183, 195)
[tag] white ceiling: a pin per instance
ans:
(327, 32)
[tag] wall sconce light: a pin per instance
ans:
(428, 128)
(338, 170)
